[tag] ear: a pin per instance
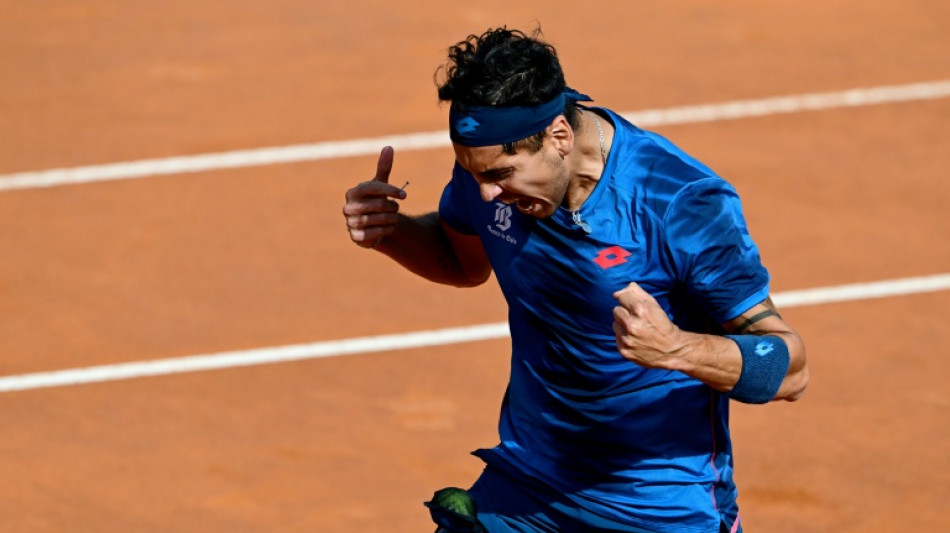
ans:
(562, 135)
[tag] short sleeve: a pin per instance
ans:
(455, 204)
(713, 253)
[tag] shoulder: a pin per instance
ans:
(655, 170)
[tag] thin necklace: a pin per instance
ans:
(600, 131)
(576, 214)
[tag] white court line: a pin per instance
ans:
(382, 343)
(436, 139)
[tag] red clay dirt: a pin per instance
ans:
(237, 259)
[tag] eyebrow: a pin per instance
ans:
(495, 172)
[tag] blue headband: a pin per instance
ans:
(491, 125)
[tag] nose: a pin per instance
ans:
(489, 191)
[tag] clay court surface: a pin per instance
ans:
(226, 260)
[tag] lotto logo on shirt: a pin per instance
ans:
(611, 257)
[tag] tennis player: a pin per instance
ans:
(638, 303)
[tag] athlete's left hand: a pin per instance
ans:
(645, 334)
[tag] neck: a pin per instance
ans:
(588, 160)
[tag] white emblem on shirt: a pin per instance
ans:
(502, 216)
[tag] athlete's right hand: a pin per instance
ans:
(370, 211)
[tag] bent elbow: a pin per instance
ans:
(796, 381)
(797, 386)
(467, 283)
(472, 277)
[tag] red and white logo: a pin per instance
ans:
(611, 257)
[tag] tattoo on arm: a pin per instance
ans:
(753, 319)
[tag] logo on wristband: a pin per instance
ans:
(764, 348)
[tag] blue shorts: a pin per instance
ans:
(508, 505)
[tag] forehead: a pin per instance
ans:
(479, 159)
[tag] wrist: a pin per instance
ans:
(765, 363)
(683, 357)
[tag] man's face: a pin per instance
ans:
(535, 183)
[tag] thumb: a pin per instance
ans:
(385, 165)
(630, 292)
(633, 298)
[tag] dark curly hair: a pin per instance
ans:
(503, 67)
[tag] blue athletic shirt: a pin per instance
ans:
(645, 447)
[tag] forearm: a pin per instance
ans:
(717, 361)
(420, 244)
(646, 336)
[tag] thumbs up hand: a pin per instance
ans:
(370, 211)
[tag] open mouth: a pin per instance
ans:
(524, 205)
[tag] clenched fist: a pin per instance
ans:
(645, 334)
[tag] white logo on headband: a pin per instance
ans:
(466, 125)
